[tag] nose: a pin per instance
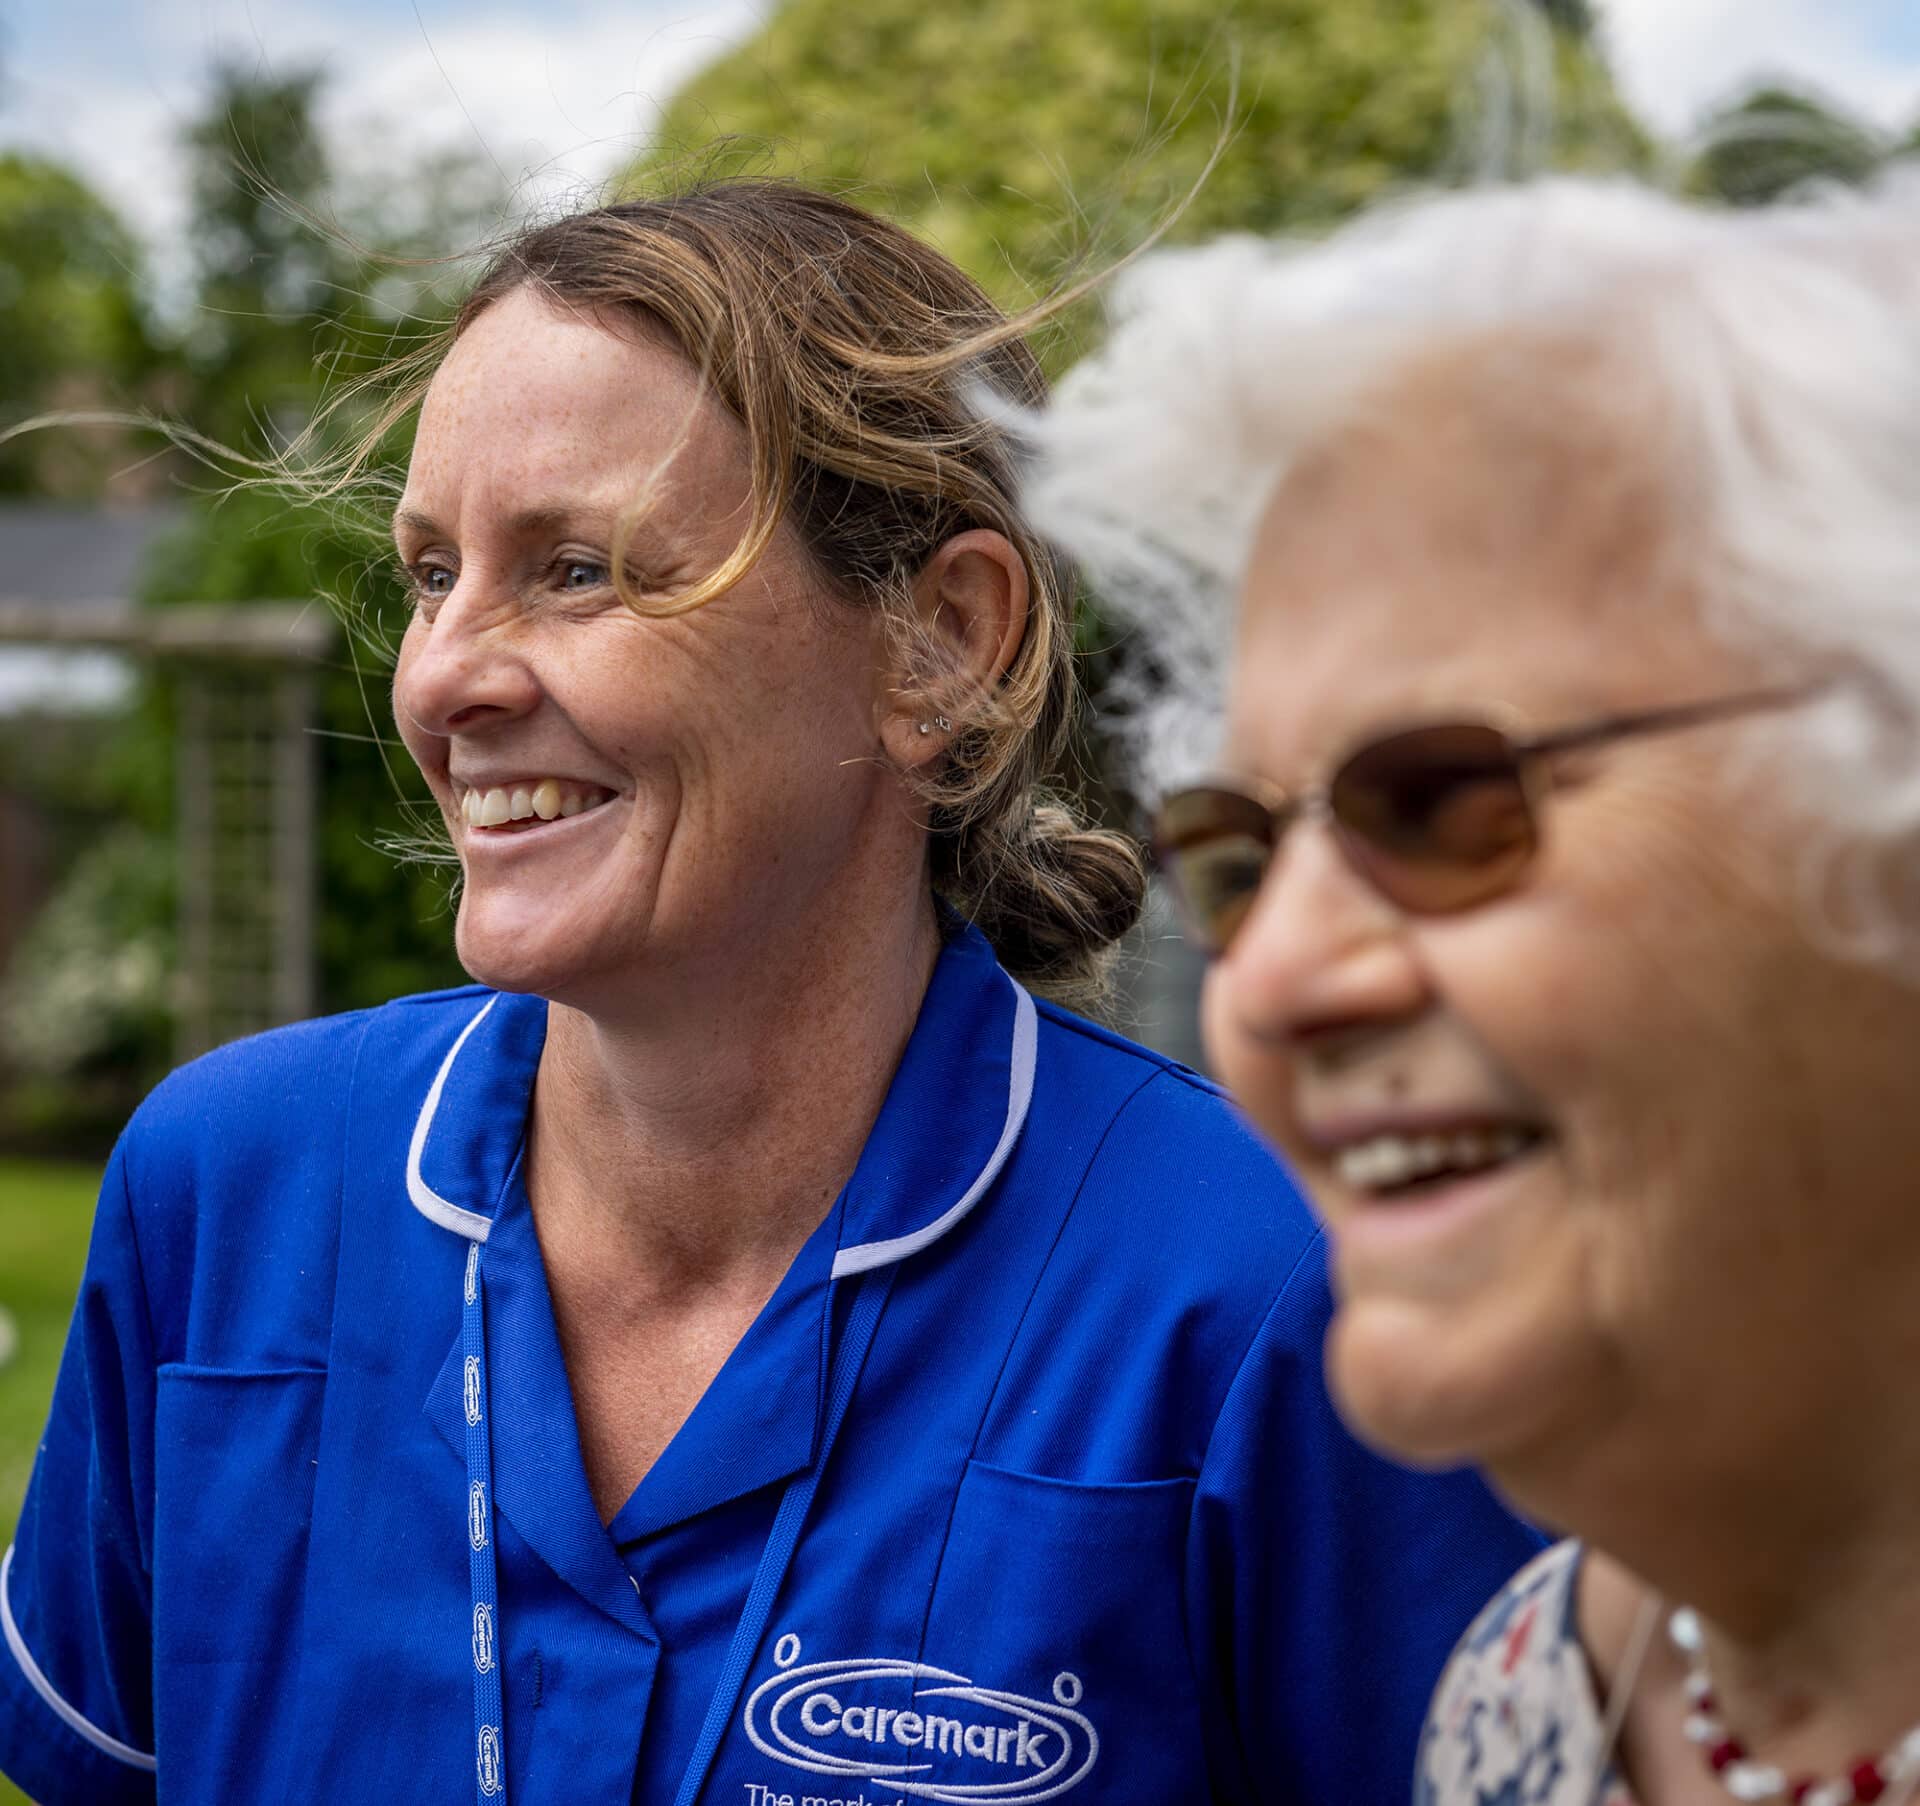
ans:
(461, 668)
(1320, 954)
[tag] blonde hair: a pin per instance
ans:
(825, 330)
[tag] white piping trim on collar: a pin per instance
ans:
(866, 1255)
(857, 1259)
(76, 1722)
(426, 1200)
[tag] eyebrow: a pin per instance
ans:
(524, 524)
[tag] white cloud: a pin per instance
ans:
(1677, 59)
(548, 106)
(556, 100)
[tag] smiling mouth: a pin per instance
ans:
(1392, 1166)
(512, 809)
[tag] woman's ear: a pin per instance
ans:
(969, 618)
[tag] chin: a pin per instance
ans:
(527, 957)
(1430, 1400)
(486, 965)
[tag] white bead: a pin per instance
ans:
(1903, 1763)
(1702, 1729)
(1831, 1793)
(1754, 1781)
(1698, 1686)
(1684, 1628)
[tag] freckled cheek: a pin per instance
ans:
(420, 744)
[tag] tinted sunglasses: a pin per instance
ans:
(1437, 818)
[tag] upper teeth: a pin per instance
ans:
(1388, 1160)
(546, 799)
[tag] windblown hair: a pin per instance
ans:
(1775, 357)
(825, 329)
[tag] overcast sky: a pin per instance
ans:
(559, 92)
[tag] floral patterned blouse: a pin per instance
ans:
(1514, 1721)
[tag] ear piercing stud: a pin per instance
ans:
(940, 722)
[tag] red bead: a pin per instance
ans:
(1799, 1789)
(1725, 1754)
(1868, 1782)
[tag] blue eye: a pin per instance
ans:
(582, 573)
(432, 579)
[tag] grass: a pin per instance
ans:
(46, 1211)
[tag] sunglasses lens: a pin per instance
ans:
(1214, 847)
(1438, 817)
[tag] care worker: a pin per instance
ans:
(755, 1346)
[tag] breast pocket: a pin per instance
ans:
(234, 1466)
(1066, 1601)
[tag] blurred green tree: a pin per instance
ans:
(307, 275)
(300, 289)
(73, 327)
(1775, 139)
(1575, 16)
(273, 289)
(1036, 136)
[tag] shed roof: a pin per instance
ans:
(79, 555)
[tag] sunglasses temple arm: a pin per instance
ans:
(1660, 721)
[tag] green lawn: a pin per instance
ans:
(45, 1213)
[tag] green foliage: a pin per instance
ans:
(87, 992)
(292, 304)
(73, 331)
(384, 925)
(46, 1213)
(1776, 140)
(1575, 16)
(303, 287)
(286, 305)
(1036, 134)
(272, 287)
(85, 1001)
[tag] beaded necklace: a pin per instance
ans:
(1745, 1779)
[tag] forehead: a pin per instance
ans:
(531, 399)
(1496, 528)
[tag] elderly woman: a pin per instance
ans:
(754, 1346)
(1559, 888)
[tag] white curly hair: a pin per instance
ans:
(1783, 343)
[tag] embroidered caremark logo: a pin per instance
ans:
(941, 1737)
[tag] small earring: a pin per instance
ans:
(939, 721)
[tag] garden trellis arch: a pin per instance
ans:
(244, 677)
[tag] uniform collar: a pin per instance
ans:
(469, 1128)
(950, 1120)
(951, 1117)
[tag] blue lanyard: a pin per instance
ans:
(489, 1751)
(490, 1759)
(868, 1301)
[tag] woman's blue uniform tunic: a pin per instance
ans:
(1088, 1529)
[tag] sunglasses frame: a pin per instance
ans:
(1529, 752)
